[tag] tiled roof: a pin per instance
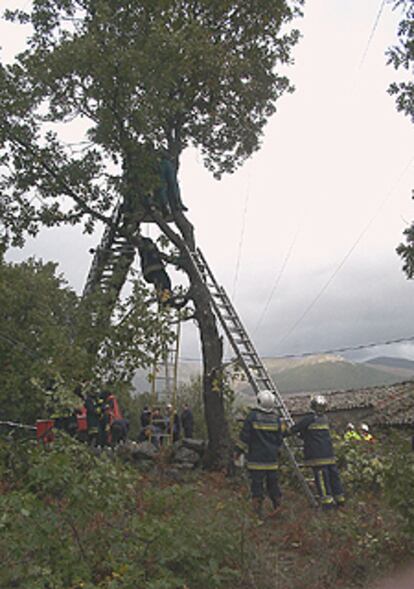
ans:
(392, 405)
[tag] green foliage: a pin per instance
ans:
(399, 481)
(406, 251)
(162, 75)
(36, 325)
(402, 56)
(192, 393)
(75, 520)
(362, 465)
(46, 337)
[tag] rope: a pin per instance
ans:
(18, 425)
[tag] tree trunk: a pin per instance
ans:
(219, 444)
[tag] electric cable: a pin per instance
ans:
(277, 281)
(372, 33)
(242, 233)
(347, 255)
(330, 351)
(346, 348)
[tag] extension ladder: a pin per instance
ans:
(247, 357)
(164, 377)
(112, 261)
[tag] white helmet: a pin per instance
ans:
(365, 427)
(350, 426)
(266, 401)
(318, 403)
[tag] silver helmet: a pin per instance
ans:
(266, 401)
(318, 403)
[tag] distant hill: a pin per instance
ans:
(330, 376)
(326, 373)
(312, 374)
(399, 366)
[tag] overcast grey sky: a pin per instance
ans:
(303, 237)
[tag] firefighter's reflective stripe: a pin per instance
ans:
(267, 427)
(262, 466)
(319, 426)
(326, 499)
(320, 461)
(242, 446)
(154, 267)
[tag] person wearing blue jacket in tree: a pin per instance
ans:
(260, 439)
(319, 453)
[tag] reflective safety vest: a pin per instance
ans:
(317, 443)
(261, 438)
(352, 435)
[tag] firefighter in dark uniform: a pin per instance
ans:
(261, 438)
(319, 453)
(153, 268)
(168, 195)
(187, 421)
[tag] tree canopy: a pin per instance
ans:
(45, 337)
(106, 88)
(140, 75)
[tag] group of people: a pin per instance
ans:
(157, 426)
(261, 438)
(105, 425)
(358, 434)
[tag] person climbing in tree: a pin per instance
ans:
(168, 195)
(154, 272)
(153, 268)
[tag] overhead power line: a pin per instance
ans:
(348, 348)
(348, 254)
(242, 232)
(399, 340)
(372, 33)
(277, 281)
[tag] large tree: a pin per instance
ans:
(141, 76)
(45, 336)
(401, 56)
